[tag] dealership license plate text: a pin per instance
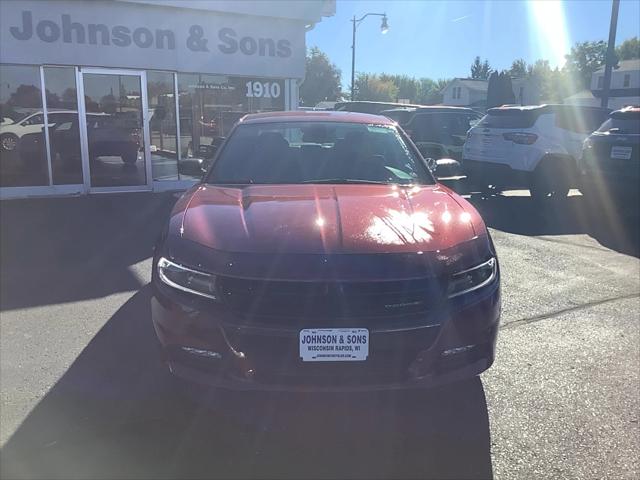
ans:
(334, 344)
(621, 153)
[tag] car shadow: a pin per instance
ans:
(57, 250)
(116, 413)
(617, 228)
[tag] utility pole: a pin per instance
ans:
(384, 28)
(610, 59)
(353, 58)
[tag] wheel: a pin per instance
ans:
(548, 182)
(9, 142)
(130, 157)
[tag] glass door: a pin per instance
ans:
(115, 130)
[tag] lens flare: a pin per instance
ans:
(548, 27)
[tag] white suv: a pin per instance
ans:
(11, 132)
(534, 147)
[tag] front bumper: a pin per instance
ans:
(221, 352)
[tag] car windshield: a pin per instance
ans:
(318, 152)
(622, 124)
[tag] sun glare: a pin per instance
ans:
(549, 35)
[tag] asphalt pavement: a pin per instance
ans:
(84, 395)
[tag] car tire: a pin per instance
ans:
(9, 142)
(130, 158)
(548, 181)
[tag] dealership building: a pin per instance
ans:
(136, 95)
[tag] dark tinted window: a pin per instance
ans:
(579, 120)
(307, 152)
(400, 116)
(446, 128)
(624, 124)
(509, 119)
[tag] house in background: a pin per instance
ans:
(625, 84)
(624, 91)
(467, 92)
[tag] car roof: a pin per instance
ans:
(316, 116)
(545, 108)
(430, 109)
(630, 111)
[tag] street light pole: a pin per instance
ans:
(384, 28)
(610, 60)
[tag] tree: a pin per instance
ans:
(518, 68)
(430, 92)
(584, 59)
(408, 87)
(629, 49)
(322, 79)
(27, 96)
(373, 88)
(506, 87)
(500, 90)
(480, 70)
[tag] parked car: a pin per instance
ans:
(320, 253)
(12, 132)
(437, 131)
(610, 162)
(362, 106)
(108, 135)
(533, 147)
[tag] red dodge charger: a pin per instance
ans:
(319, 252)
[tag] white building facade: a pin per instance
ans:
(137, 94)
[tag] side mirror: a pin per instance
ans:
(431, 164)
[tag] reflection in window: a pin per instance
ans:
(162, 125)
(115, 130)
(23, 158)
(64, 130)
(210, 105)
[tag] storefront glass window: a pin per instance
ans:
(23, 158)
(162, 125)
(210, 105)
(64, 131)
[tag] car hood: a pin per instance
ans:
(319, 219)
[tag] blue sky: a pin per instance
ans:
(439, 39)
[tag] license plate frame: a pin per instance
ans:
(333, 344)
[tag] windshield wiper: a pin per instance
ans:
(240, 181)
(348, 180)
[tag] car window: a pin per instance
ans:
(35, 120)
(63, 126)
(509, 119)
(446, 128)
(308, 152)
(579, 121)
(623, 124)
(60, 117)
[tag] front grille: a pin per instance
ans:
(306, 302)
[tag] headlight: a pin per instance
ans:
(186, 279)
(473, 278)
